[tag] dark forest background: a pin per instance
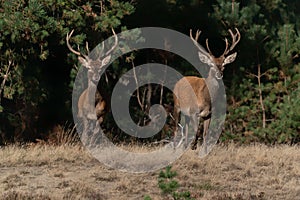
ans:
(37, 70)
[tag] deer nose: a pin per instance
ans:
(96, 77)
(219, 75)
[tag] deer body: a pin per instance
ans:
(100, 105)
(87, 110)
(193, 95)
(195, 105)
(184, 101)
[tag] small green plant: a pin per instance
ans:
(168, 185)
(182, 195)
(147, 197)
(166, 182)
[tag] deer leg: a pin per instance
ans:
(84, 131)
(195, 142)
(197, 136)
(95, 134)
(205, 129)
(198, 130)
(194, 123)
(186, 134)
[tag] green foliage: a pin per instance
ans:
(278, 101)
(32, 42)
(169, 185)
(37, 68)
(166, 182)
(264, 87)
(147, 197)
(285, 124)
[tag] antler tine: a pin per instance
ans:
(101, 51)
(235, 38)
(69, 35)
(198, 32)
(115, 45)
(196, 43)
(226, 51)
(209, 51)
(87, 47)
(197, 35)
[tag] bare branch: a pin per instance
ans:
(137, 85)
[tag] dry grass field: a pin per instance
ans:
(228, 172)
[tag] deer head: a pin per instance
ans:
(94, 66)
(217, 63)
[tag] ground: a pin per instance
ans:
(228, 172)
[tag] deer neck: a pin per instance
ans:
(212, 83)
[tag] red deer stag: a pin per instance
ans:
(85, 108)
(197, 104)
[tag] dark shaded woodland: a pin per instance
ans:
(37, 70)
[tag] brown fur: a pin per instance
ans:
(100, 105)
(185, 102)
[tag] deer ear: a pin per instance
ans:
(229, 59)
(205, 59)
(84, 62)
(106, 60)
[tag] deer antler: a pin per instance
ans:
(115, 45)
(209, 51)
(235, 39)
(195, 41)
(69, 35)
(112, 48)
